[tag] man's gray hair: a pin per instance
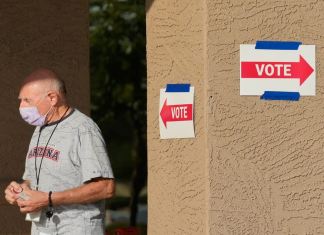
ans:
(59, 85)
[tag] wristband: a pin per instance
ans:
(50, 203)
(49, 212)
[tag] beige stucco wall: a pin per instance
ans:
(266, 158)
(177, 176)
(256, 167)
(36, 34)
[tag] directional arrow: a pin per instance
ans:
(282, 70)
(175, 113)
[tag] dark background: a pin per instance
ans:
(118, 95)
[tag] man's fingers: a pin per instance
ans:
(9, 200)
(10, 195)
(14, 184)
(15, 187)
(24, 209)
(22, 203)
(8, 190)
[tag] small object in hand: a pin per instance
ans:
(33, 216)
(23, 196)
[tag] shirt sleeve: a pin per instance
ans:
(26, 175)
(93, 156)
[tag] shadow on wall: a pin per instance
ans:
(148, 4)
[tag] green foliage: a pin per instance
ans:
(118, 76)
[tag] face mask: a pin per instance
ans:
(32, 116)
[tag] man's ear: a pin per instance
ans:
(53, 98)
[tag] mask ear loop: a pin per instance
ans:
(50, 109)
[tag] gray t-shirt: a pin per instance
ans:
(75, 154)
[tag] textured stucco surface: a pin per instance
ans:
(266, 159)
(36, 34)
(177, 176)
(256, 167)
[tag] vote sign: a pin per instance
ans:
(176, 111)
(277, 70)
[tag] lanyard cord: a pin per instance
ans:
(40, 165)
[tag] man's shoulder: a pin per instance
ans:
(82, 122)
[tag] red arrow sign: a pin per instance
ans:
(283, 70)
(175, 113)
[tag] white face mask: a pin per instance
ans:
(32, 116)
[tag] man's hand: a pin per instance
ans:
(35, 202)
(12, 192)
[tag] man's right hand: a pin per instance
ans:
(12, 192)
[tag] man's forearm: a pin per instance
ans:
(90, 192)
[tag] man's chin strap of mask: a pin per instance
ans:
(32, 116)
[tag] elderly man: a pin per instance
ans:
(67, 174)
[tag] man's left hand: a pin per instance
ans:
(35, 202)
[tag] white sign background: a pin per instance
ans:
(178, 129)
(250, 86)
